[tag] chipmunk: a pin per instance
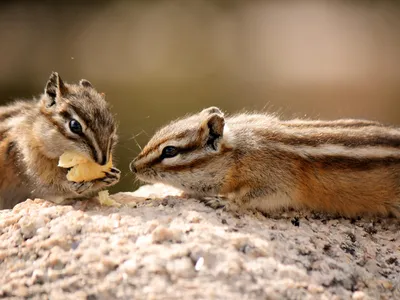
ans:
(345, 167)
(34, 134)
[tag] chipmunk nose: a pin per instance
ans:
(132, 166)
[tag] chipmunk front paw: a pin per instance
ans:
(215, 202)
(81, 187)
(111, 178)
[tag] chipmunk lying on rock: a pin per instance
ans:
(347, 167)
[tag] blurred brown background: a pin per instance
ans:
(158, 60)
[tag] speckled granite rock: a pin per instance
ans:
(168, 247)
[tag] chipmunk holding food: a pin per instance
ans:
(347, 167)
(67, 118)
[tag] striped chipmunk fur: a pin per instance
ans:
(346, 167)
(34, 134)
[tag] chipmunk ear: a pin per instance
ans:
(85, 83)
(55, 87)
(212, 110)
(215, 128)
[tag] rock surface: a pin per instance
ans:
(169, 247)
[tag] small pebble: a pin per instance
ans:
(358, 295)
(193, 217)
(199, 264)
(143, 240)
(315, 289)
(162, 234)
(60, 229)
(130, 266)
(29, 225)
(295, 221)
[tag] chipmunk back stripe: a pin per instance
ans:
(331, 124)
(360, 164)
(8, 114)
(10, 149)
(339, 162)
(12, 111)
(9, 157)
(318, 139)
(3, 133)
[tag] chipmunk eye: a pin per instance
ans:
(169, 151)
(75, 126)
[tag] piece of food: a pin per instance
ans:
(88, 171)
(70, 159)
(106, 200)
(82, 168)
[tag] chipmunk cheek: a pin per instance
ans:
(146, 174)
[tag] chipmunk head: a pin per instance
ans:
(75, 117)
(187, 153)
